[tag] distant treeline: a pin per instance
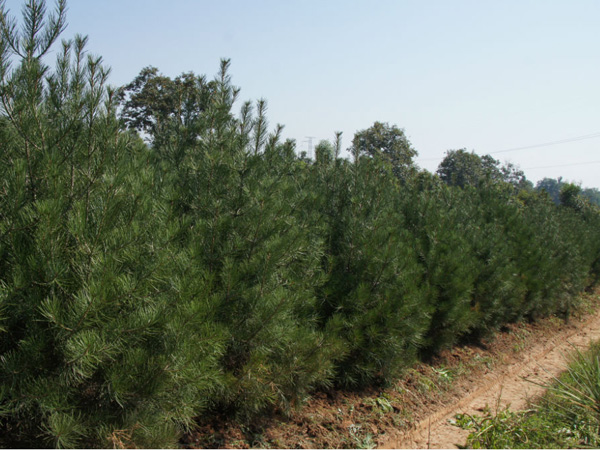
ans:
(164, 257)
(554, 186)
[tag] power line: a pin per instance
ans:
(563, 165)
(545, 144)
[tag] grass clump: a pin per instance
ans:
(568, 416)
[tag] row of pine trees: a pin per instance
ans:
(200, 265)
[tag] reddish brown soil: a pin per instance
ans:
(514, 383)
(414, 413)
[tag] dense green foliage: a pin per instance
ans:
(461, 168)
(568, 416)
(164, 257)
(386, 142)
(553, 188)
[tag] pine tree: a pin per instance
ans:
(239, 195)
(369, 302)
(99, 348)
(499, 290)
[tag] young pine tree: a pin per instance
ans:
(238, 199)
(100, 346)
(370, 302)
(437, 216)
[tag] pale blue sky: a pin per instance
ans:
(481, 75)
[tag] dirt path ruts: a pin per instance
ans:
(506, 385)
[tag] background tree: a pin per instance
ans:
(461, 168)
(159, 106)
(570, 196)
(552, 187)
(388, 143)
(592, 194)
(514, 176)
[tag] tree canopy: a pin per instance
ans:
(462, 168)
(153, 103)
(553, 187)
(388, 143)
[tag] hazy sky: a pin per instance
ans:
(482, 75)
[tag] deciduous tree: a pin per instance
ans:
(387, 143)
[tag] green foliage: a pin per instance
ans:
(461, 168)
(435, 216)
(387, 143)
(514, 176)
(95, 341)
(163, 108)
(577, 392)
(529, 429)
(554, 186)
(146, 283)
(239, 194)
(592, 194)
(370, 299)
(499, 289)
(551, 187)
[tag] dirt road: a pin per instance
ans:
(506, 385)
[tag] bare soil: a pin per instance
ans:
(416, 411)
(515, 383)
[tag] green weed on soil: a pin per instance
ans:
(568, 416)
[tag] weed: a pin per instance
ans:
(422, 382)
(579, 387)
(444, 375)
(384, 404)
(360, 440)
(487, 361)
(568, 416)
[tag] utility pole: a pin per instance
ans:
(310, 145)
